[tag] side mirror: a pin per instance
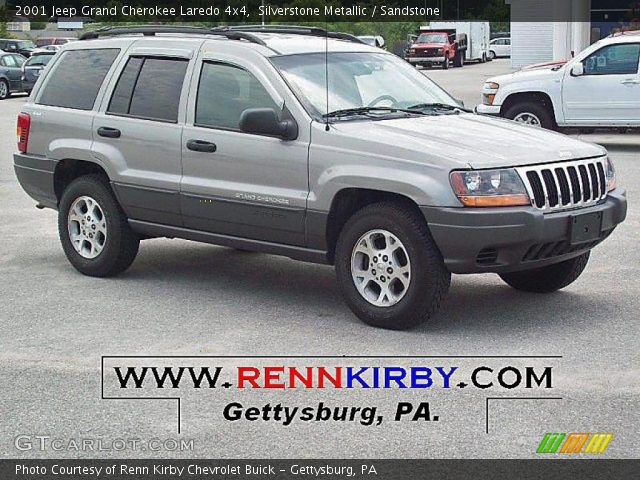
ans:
(265, 121)
(577, 70)
(460, 102)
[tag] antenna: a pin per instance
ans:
(326, 71)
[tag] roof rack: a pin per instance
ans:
(152, 30)
(624, 33)
(291, 29)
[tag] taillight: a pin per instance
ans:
(24, 123)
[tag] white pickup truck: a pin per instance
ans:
(600, 87)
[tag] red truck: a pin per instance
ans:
(436, 47)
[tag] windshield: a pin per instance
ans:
(432, 38)
(26, 44)
(38, 59)
(356, 80)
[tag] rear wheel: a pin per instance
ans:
(548, 279)
(389, 269)
(531, 113)
(458, 60)
(4, 90)
(93, 229)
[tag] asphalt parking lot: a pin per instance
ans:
(186, 298)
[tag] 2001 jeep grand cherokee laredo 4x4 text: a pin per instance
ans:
(225, 137)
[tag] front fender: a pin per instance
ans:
(423, 189)
(552, 91)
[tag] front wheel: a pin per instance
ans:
(388, 267)
(548, 279)
(4, 90)
(533, 114)
(445, 64)
(94, 232)
(492, 55)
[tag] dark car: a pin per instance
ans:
(44, 41)
(33, 67)
(23, 47)
(10, 74)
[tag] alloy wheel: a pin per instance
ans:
(87, 227)
(380, 268)
(528, 119)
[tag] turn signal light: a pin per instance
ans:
(495, 200)
(24, 124)
(489, 98)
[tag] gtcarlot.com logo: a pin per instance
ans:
(574, 443)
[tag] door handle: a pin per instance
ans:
(109, 132)
(201, 146)
(631, 82)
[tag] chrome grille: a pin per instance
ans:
(565, 185)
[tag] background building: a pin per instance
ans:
(581, 22)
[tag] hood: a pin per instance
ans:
(545, 65)
(427, 45)
(527, 75)
(465, 140)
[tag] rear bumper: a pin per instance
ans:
(35, 175)
(511, 239)
(28, 83)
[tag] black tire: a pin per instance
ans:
(492, 55)
(445, 64)
(8, 92)
(545, 116)
(121, 243)
(548, 279)
(429, 280)
(457, 60)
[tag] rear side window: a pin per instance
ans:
(8, 61)
(77, 77)
(149, 88)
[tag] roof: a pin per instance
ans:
(622, 37)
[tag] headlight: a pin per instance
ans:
(492, 85)
(489, 188)
(611, 175)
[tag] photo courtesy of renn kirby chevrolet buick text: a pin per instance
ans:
(231, 136)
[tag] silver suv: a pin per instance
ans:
(232, 136)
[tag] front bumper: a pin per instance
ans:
(512, 239)
(488, 109)
(421, 60)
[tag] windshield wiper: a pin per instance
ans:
(435, 106)
(347, 112)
